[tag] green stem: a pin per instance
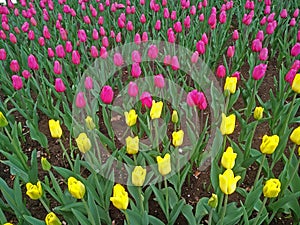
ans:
(210, 216)
(65, 153)
(167, 199)
(227, 103)
(252, 101)
(259, 169)
(224, 210)
(286, 124)
(260, 211)
(126, 216)
(141, 198)
(45, 205)
(90, 216)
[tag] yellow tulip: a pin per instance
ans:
(8, 224)
(76, 188)
(130, 117)
(258, 113)
(164, 164)
(34, 191)
(3, 121)
(132, 145)
(51, 219)
(296, 84)
(90, 123)
(120, 197)
(269, 144)
(213, 201)
(227, 182)
(228, 158)
(230, 85)
(177, 138)
(272, 188)
(156, 109)
(138, 176)
(295, 136)
(83, 143)
(227, 124)
(45, 164)
(174, 116)
(55, 128)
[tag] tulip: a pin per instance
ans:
(120, 197)
(12, 38)
(55, 128)
(258, 113)
(132, 145)
(202, 103)
(230, 85)
(221, 71)
(222, 17)
(295, 136)
(105, 42)
(136, 56)
(132, 89)
(52, 219)
(3, 121)
(166, 13)
(57, 68)
(173, 15)
(174, 117)
(34, 191)
(138, 176)
(83, 142)
(59, 85)
(171, 37)
(75, 57)
(8, 224)
(46, 32)
(230, 51)
(50, 53)
(94, 51)
(103, 53)
(137, 39)
(157, 25)
(227, 182)
(283, 13)
(69, 47)
(14, 66)
(146, 99)
(235, 35)
(213, 201)
(82, 35)
(263, 55)
(17, 82)
(195, 57)
(159, 81)
(259, 71)
(177, 27)
(167, 60)
(31, 35)
(88, 83)
(46, 166)
(200, 46)
(228, 158)
(269, 144)
(298, 36)
(270, 28)
(118, 59)
(227, 124)
(201, 17)
(129, 26)
(60, 52)
(256, 45)
(143, 19)
(2, 54)
(95, 34)
(296, 13)
(76, 188)
(192, 98)
(152, 52)
(156, 109)
(212, 21)
(175, 63)
(130, 117)
(177, 138)
(187, 22)
(136, 70)
(290, 76)
(144, 37)
(272, 188)
(296, 84)
(164, 164)
(107, 94)
(295, 51)
(41, 41)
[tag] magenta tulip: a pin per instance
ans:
(17, 82)
(195, 57)
(60, 52)
(80, 100)
(159, 81)
(200, 46)
(136, 56)
(118, 59)
(259, 71)
(88, 83)
(69, 46)
(133, 89)
(221, 71)
(146, 99)
(136, 70)
(283, 13)
(75, 57)
(256, 45)
(50, 53)
(2, 54)
(263, 55)
(175, 63)
(60, 87)
(107, 94)
(14, 66)
(32, 62)
(152, 52)
(289, 77)
(26, 74)
(295, 51)
(94, 52)
(82, 35)
(230, 51)
(235, 35)
(57, 68)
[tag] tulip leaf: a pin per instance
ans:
(33, 220)
(82, 219)
(154, 220)
(275, 206)
(36, 135)
(159, 197)
(187, 211)
(176, 211)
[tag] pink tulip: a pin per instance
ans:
(112, 34)
(204, 38)
(167, 60)
(237, 74)
(118, 37)
(187, 22)
(121, 23)
(295, 51)
(73, 13)
(267, 9)
(57, 68)
(221, 71)
(171, 37)
(173, 15)
(204, 3)
(192, 98)
(230, 51)
(30, 35)
(166, 13)
(14, 66)
(58, 25)
(195, 57)
(143, 19)
(2, 54)
(46, 33)
(268, 2)
(260, 35)
(175, 63)
(69, 47)
(32, 62)
(289, 77)
(2, 35)
(60, 87)
(152, 52)
(86, 20)
(157, 25)
(177, 27)
(222, 17)
(17, 82)
(212, 21)
(159, 81)
(136, 70)
(94, 51)
(200, 46)
(63, 34)
(164, 3)
(146, 99)
(100, 20)
(256, 45)
(137, 39)
(33, 21)
(26, 74)
(80, 100)
(95, 34)
(235, 35)
(118, 59)
(81, 35)
(88, 83)
(296, 13)
(129, 26)
(270, 28)
(298, 36)
(41, 41)
(133, 89)
(145, 37)
(60, 52)
(296, 65)
(103, 53)
(105, 42)
(136, 56)
(142, 2)
(293, 22)
(75, 57)
(263, 55)
(283, 13)
(201, 17)
(5, 26)
(50, 53)
(12, 38)
(259, 71)
(202, 103)
(107, 94)
(270, 18)
(193, 10)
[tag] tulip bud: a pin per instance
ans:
(228, 158)
(295, 136)
(89, 123)
(164, 164)
(213, 201)
(221, 71)
(177, 138)
(82, 35)
(152, 52)
(137, 39)
(263, 55)
(227, 124)
(69, 46)
(146, 99)
(269, 144)
(175, 63)
(230, 51)
(57, 68)
(60, 52)
(80, 100)
(258, 113)
(50, 53)
(295, 51)
(59, 85)
(2, 54)
(3, 121)
(41, 41)
(118, 59)
(83, 142)
(130, 117)
(51, 219)
(34, 191)
(132, 145)
(136, 70)
(145, 37)
(107, 94)
(120, 197)
(45, 164)
(55, 129)
(75, 57)
(174, 117)
(17, 82)
(259, 71)
(138, 176)
(200, 46)
(76, 188)
(132, 89)
(235, 35)
(159, 81)
(271, 188)
(195, 57)
(14, 66)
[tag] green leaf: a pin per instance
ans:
(82, 219)
(187, 211)
(202, 209)
(155, 221)
(33, 220)
(159, 198)
(176, 211)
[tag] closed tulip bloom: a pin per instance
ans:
(107, 94)
(298, 36)
(235, 35)
(76, 188)
(26, 74)
(130, 117)
(82, 35)
(146, 99)
(41, 41)
(17, 82)
(80, 100)
(120, 198)
(296, 83)
(152, 52)
(95, 34)
(295, 136)
(174, 117)
(230, 51)
(178, 27)
(175, 63)
(283, 13)
(55, 129)
(173, 15)
(90, 123)
(59, 85)
(103, 53)
(60, 52)
(144, 36)
(69, 47)
(83, 142)
(132, 145)
(256, 45)
(200, 46)
(236, 74)
(138, 176)
(75, 57)
(187, 22)
(88, 83)
(159, 81)
(227, 124)
(213, 201)
(31, 35)
(156, 109)
(212, 21)
(136, 56)
(195, 57)
(269, 144)
(263, 55)
(228, 158)
(12, 38)
(272, 188)
(34, 191)
(157, 25)
(14, 66)
(46, 33)
(133, 89)
(202, 103)
(57, 68)
(94, 51)
(136, 70)
(177, 138)
(119, 37)
(52, 219)
(296, 13)
(295, 51)
(227, 182)
(50, 53)
(259, 37)
(259, 71)
(230, 84)
(221, 71)
(3, 121)
(222, 17)
(164, 164)
(2, 54)
(118, 59)
(137, 39)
